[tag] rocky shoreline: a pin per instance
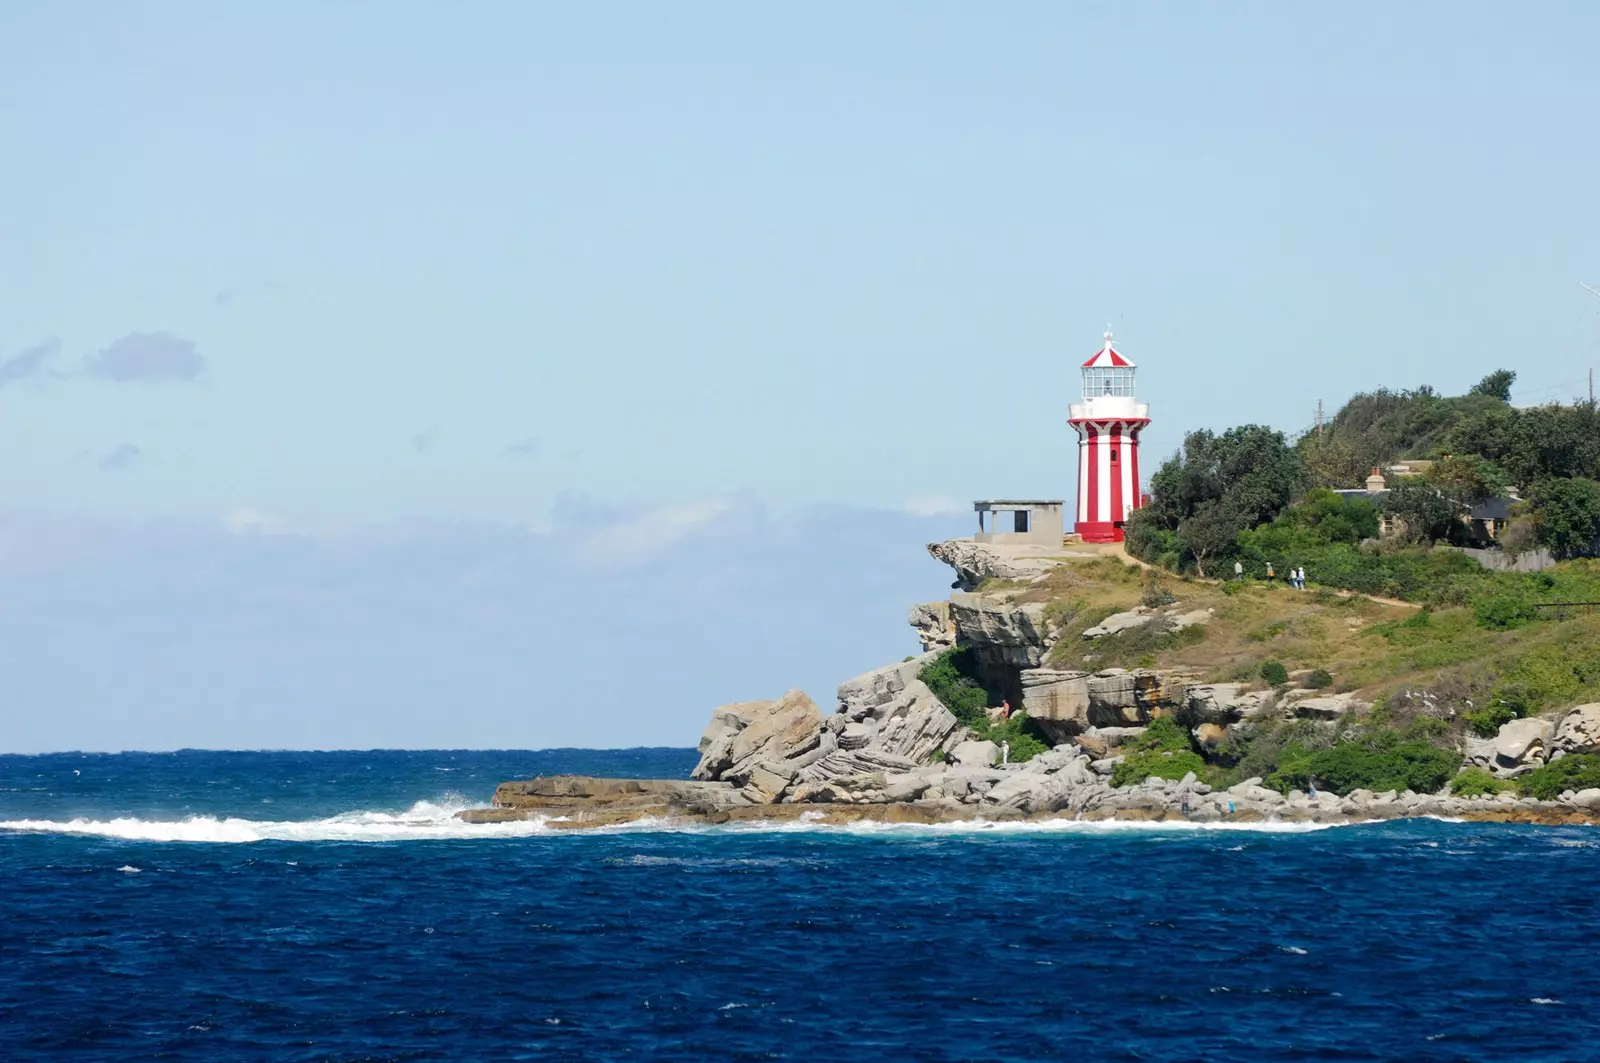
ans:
(892, 752)
(1044, 793)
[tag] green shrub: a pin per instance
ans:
(952, 676)
(1579, 772)
(1384, 761)
(1164, 735)
(1026, 740)
(1487, 721)
(1137, 767)
(1275, 673)
(1233, 587)
(1475, 782)
(1156, 595)
(1319, 679)
(1502, 612)
(1511, 701)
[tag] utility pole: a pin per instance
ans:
(1319, 417)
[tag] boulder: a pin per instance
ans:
(934, 628)
(1210, 735)
(1523, 743)
(1578, 731)
(1224, 702)
(1138, 616)
(1589, 799)
(762, 744)
(1191, 618)
(1328, 706)
(896, 713)
(867, 695)
(973, 754)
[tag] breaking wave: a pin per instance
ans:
(436, 819)
(423, 820)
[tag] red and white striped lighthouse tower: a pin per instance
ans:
(1108, 422)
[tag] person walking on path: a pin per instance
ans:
(1300, 577)
(1238, 570)
(1270, 574)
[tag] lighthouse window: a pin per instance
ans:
(1113, 457)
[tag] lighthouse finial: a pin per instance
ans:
(1108, 335)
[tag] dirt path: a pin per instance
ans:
(1120, 551)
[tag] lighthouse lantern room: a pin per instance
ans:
(1108, 422)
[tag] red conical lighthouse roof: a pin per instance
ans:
(1108, 358)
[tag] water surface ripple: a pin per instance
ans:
(361, 924)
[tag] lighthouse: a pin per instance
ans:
(1108, 422)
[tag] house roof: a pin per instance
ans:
(1493, 509)
(1108, 357)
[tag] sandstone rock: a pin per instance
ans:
(1191, 618)
(1093, 746)
(903, 717)
(1523, 742)
(865, 696)
(1105, 766)
(1589, 799)
(1224, 702)
(1057, 700)
(1017, 636)
(934, 628)
(974, 755)
(1210, 735)
(613, 799)
(1138, 616)
(916, 727)
(975, 562)
(762, 744)
(1327, 706)
(1579, 731)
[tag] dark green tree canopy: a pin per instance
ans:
(1566, 516)
(1497, 385)
(1250, 469)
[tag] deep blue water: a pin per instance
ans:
(361, 924)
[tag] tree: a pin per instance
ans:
(1566, 515)
(1252, 468)
(1496, 385)
(1423, 511)
(1469, 478)
(1210, 531)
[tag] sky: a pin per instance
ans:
(412, 374)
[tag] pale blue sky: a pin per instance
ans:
(322, 269)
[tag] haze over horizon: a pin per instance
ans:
(394, 375)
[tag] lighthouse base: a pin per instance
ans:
(1099, 531)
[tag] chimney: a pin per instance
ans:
(1376, 482)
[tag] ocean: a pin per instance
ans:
(326, 906)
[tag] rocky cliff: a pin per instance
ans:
(891, 750)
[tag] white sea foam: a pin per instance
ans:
(437, 820)
(425, 819)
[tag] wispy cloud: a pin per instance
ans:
(29, 363)
(932, 506)
(246, 520)
(525, 448)
(649, 534)
(423, 441)
(150, 357)
(120, 457)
